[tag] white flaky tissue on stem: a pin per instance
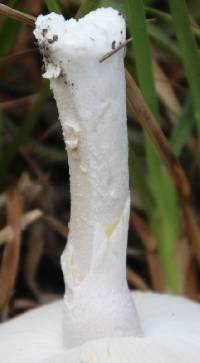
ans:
(99, 323)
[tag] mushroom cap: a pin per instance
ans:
(171, 328)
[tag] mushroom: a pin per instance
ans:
(100, 320)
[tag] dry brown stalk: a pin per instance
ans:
(56, 225)
(109, 54)
(10, 260)
(55, 127)
(17, 55)
(18, 107)
(191, 228)
(7, 233)
(149, 243)
(17, 15)
(165, 89)
(136, 280)
(192, 281)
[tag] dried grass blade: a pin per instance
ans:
(56, 225)
(10, 261)
(136, 280)
(149, 243)
(7, 233)
(17, 15)
(192, 281)
(165, 89)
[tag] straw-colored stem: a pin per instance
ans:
(17, 15)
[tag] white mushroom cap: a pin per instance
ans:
(171, 328)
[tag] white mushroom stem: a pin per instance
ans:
(92, 108)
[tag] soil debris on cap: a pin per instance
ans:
(114, 44)
(54, 39)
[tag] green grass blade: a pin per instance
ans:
(53, 6)
(11, 4)
(182, 129)
(190, 54)
(8, 31)
(158, 13)
(86, 7)
(162, 15)
(167, 230)
(115, 4)
(8, 34)
(137, 25)
(164, 41)
(166, 237)
(136, 176)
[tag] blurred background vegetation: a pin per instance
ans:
(164, 153)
